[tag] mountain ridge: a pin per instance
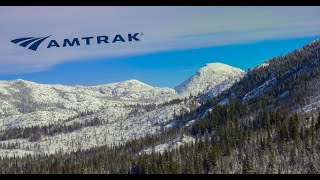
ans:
(222, 71)
(210, 75)
(118, 111)
(245, 120)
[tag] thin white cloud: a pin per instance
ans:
(164, 28)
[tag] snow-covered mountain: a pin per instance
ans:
(207, 77)
(136, 90)
(125, 110)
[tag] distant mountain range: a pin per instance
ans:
(127, 109)
(68, 118)
(221, 120)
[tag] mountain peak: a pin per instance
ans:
(21, 82)
(218, 68)
(208, 76)
(133, 83)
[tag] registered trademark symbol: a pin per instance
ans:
(141, 33)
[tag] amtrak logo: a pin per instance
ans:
(33, 43)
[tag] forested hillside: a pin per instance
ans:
(288, 82)
(226, 142)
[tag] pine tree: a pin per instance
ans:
(318, 122)
(294, 127)
(272, 167)
(312, 168)
(247, 167)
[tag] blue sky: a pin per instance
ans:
(164, 69)
(177, 41)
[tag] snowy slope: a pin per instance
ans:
(174, 144)
(207, 77)
(127, 110)
(216, 90)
